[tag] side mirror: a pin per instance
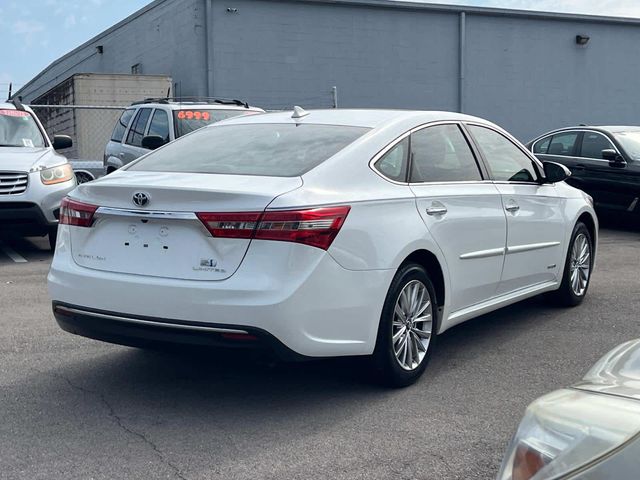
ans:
(151, 142)
(615, 159)
(555, 172)
(60, 142)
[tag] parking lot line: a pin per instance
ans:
(11, 253)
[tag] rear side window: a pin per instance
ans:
(137, 129)
(563, 144)
(393, 164)
(442, 154)
(542, 146)
(121, 125)
(593, 144)
(160, 124)
(278, 150)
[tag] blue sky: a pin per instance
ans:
(33, 33)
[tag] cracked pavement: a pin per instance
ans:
(73, 408)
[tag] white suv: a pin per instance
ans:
(153, 122)
(33, 177)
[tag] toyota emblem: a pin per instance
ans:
(140, 199)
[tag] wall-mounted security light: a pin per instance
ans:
(232, 10)
(582, 39)
(100, 49)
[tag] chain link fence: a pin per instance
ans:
(88, 126)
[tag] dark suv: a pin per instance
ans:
(604, 162)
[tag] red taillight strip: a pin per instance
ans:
(317, 227)
(76, 213)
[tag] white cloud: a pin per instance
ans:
(69, 21)
(27, 27)
(29, 30)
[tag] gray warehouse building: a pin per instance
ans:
(528, 71)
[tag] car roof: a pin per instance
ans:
(598, 128)
(369, 118)
(620, 128)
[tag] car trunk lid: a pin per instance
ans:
(163, 236)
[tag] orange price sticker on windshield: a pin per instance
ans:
(193, 115)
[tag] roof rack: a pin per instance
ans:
(209, 100)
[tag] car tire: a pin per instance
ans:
(403, 349)
(578, 267)
(53, 235)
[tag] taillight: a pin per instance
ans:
(230, 225)
(317, 227)
(76, 213)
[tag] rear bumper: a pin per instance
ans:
(298, 295)
(136, 331)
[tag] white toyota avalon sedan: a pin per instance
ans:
(319, 234)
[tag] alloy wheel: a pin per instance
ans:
(580, 264)
(412, 325)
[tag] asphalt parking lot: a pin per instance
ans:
(74, 408)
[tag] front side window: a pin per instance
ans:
(19, 129)
(121, 125)
(442, 154)
(160, 125)
(563, 144)
(277, 150)
(630, 141)
(593, 144)
(393, 164)
(136, 133)
(505, 160)
(187, 121)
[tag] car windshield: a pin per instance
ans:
(19, 129)
(630, 141)
(189, 120)
(278, 150)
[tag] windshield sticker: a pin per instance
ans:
(192, 114)
(27, 142)
(14, 113)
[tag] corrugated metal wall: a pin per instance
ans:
(525, 73)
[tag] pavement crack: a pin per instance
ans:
(118, 420)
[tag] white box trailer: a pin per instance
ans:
(90, 128)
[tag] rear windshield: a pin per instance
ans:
(19, 129)
(276, 150)
(630, 141)
(189, 120)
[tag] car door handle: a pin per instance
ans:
(440, 210)
(512, 207)
(121, 154)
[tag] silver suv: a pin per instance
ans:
(33, 177)
(151, 123)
